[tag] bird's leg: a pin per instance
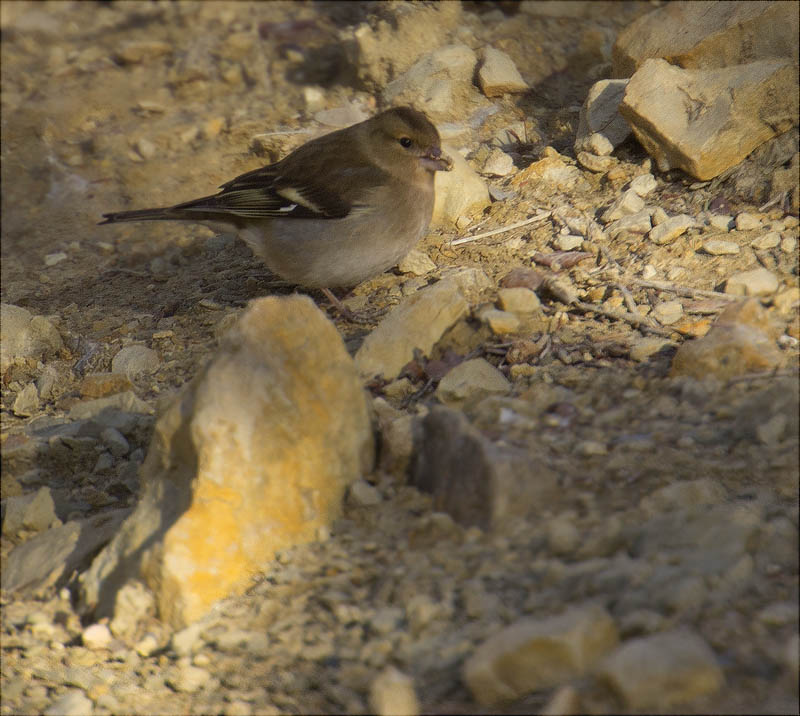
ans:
(344, 312)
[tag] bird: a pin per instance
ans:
(336, 211)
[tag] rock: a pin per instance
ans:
(363, 494)
(27, 401)
(767, 241)
(500, 322)
(671, 229)
(439, 84)
(474, 481)
(56, 258)
(498, 75)
(96, 636)
(101, 385)
(720, 222)
(697, 35)
(418, 322)
(133, 53)
(533, 654)
(758, 282)
(498, 164)
(518, 300)
(471, 379)
(50, 557)
(564, 702)
(638, 223)
(188, 679)
(600, 116)
(416, 262)
(392, 694)
(598, 165)
(459, 192)
(668, 312)
(725, 121)
(685, 494)
(35, 511)
(643, 348)
(126, 402)
(719, 247)
(240, 456)
(662, 670)
(134, 604)
(747, 222)
(73, 703)
(135, 360)
(628, 203)
(23, 336)
(553, 172)
(568, 242)
(735, 345)
(791, 656)
(471, 280)
(659, 216)
(644, 184)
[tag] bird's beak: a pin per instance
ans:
(436, 161)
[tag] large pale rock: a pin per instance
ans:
(439, 84)
(459, 192)
(740, 342)
(418, 322)
(708, 35)
(662, 670)
(253, 456)
(476, 482)
(498, 75)
(706, 121)
(600, 115)
(536, 654)
(23, 335)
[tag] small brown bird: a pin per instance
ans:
(338, 210)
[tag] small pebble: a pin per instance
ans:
(96, 636)
(788, 244)
(643, 184)
(568, 242)
(53, 259)
(747, 222)
(720, 247)
(720, 222)
(767, 241)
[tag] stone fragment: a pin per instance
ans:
(500, 322)
(707, 34)
(50, 557)
(627, 203)
(139, 51)
(518, 300)
(498, 164)
(758, 282)
(638, 223)
(767, 241)
(471, 280)
(392, 694)
(720, 222)
(459, 192)
(27, 401)
(416, 262)
(35, 511)
(23, 335)
(659, 216)
(668, 312)
(188, 678)
(747, 222)
(534, 654)
(363, 494)
(643, 348)
(738, 343)
(101, 385)
(551, 171)
(73, 703)
(704, 491)
(644, 184)
(600, 116)
(662, 670)
(725, 121)
(498, 75)
(135, 360)
(418, 322)
(471, 379)
(598, 165)
(471, 479)
(254, 454)
(568, 242)
(720, 247)
(96, 636)
(134, 604)
(671, 229)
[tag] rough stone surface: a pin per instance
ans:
(726, 120)
(476, 482)
(671, 229)
(392, 694)
(23, 335)
(600, 115)
(135, 360)
(758, 282)
(662, 670)
(708, 35)
(418, 322)
(459, 192)
(498, 75)
(34, 511)
(471, 379)
(538, 654)
(241, 453)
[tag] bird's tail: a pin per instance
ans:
(142, 215)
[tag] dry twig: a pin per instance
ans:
(466, 239)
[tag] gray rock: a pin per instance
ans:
(670, 229)
(719, 247)
(747, 222)
(662, 670)
(135, 360)
(35, 511)
(758, 282)
(476, 482)
(73, 703)
(498, 75)
(23, 335)
(27, 401)
(99, 408)
(627, 204)
(472, 379)
(644, 184)
(638, 223)
(600, 115)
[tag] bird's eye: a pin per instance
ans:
(405, 142)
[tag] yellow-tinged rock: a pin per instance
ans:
(254, 456)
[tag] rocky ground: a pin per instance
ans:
(659, 558)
